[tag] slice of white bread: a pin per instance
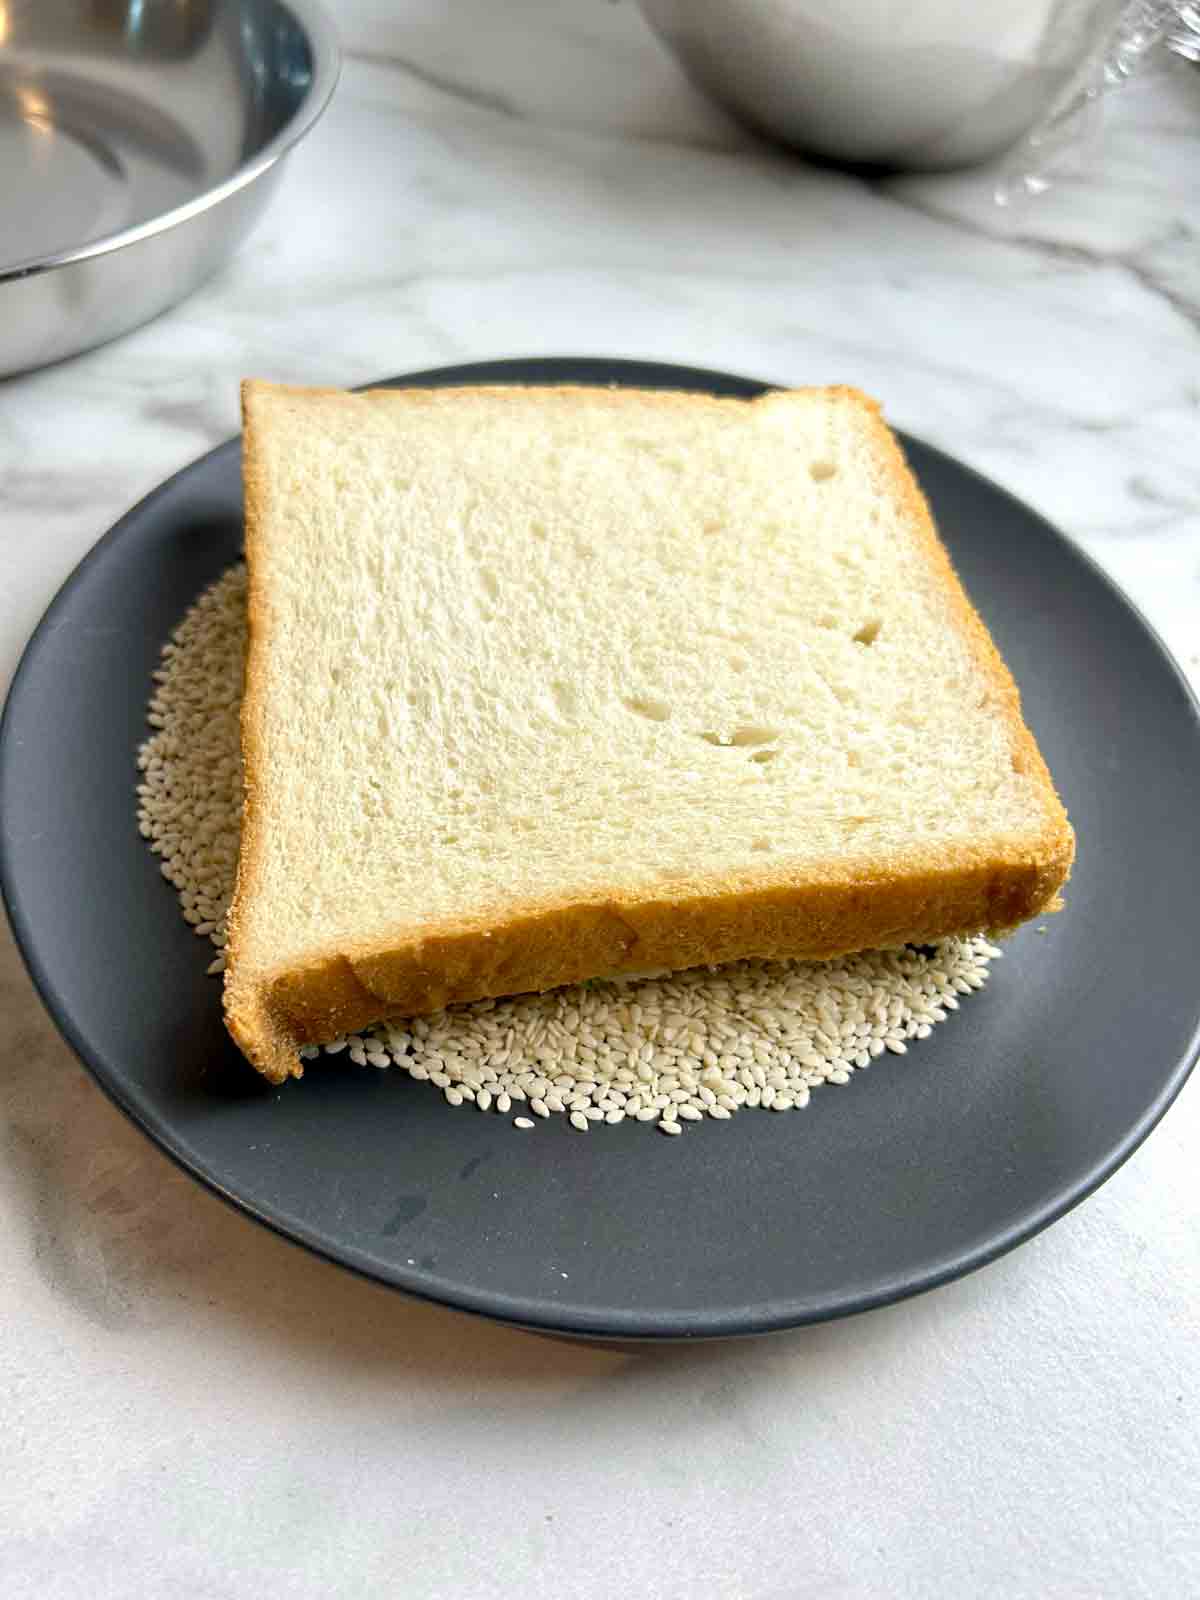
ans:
(544, 684)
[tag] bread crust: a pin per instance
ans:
(912, 897)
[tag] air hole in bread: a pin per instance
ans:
(763, 756)
(869, 631)
(647, 706)
(714, 525)
(746, 735)
(488, 583)
(822, 471)
(761, 844)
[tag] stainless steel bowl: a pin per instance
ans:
(139, 142)
(928, 84)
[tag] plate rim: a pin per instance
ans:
(616, 1324)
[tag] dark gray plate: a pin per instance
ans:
(918, 1171)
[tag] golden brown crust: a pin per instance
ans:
(543, 947)
(914, 898)
(248, 1017)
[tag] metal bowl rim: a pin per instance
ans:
(327, 61)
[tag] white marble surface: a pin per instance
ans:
(189, 1406)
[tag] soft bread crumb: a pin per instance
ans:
(534, 675)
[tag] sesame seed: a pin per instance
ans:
(523, 1122)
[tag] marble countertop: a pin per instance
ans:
(191, 1406)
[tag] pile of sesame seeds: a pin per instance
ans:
(667, 1048)
(190, 791)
